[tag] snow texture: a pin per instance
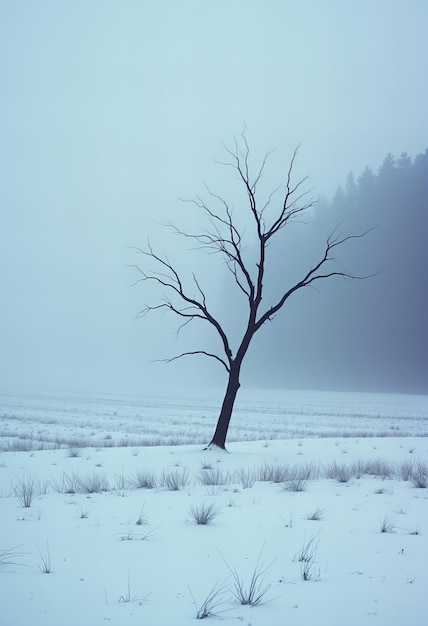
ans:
(120, 552)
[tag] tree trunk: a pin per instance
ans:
(219, 438)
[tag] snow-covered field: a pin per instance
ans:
(319, 507)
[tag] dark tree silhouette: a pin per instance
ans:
(388, 345)
(224, 237)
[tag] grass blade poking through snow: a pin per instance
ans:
(306, 556)
(8, 556)
(204, 513)
(420, 475)
(316, 515)
(45, 565)
(175, 480)
(386, 526)
(210, 607)
(25, 491)
(252, 593)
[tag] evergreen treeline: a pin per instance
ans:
(367, 335)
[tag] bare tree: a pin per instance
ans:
(223, 236)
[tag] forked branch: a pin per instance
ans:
(315, 273)
(194, 307)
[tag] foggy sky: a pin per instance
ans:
(111, 111)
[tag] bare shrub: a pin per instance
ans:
(210, 606)
(67, 484)
(74, 452)
(380, 469)
(25, 491)
(204, 513)
(174, 480)
(296, 484)
(84, 513)
(308, 471)
(142, 517)
(359, 468)
(338, 471)
(214, 477)
(316, 515)
(420, 475)
(20, 445)
(405, 469)
(273, 473)
(91, 483)
(121, 483)
(76, 442)
(386, 526)
(144, 479)
(253, 593)
(246, 477)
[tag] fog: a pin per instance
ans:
(112, 111)
(360, 335)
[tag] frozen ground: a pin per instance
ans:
(48, 421)
(109, 533)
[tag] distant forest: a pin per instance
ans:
(369, 335)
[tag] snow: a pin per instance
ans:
(108, 568)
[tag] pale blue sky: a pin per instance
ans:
(110, 110)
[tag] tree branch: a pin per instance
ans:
(313, 275)
(193, 352)
(197, 309)
(225, 237)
